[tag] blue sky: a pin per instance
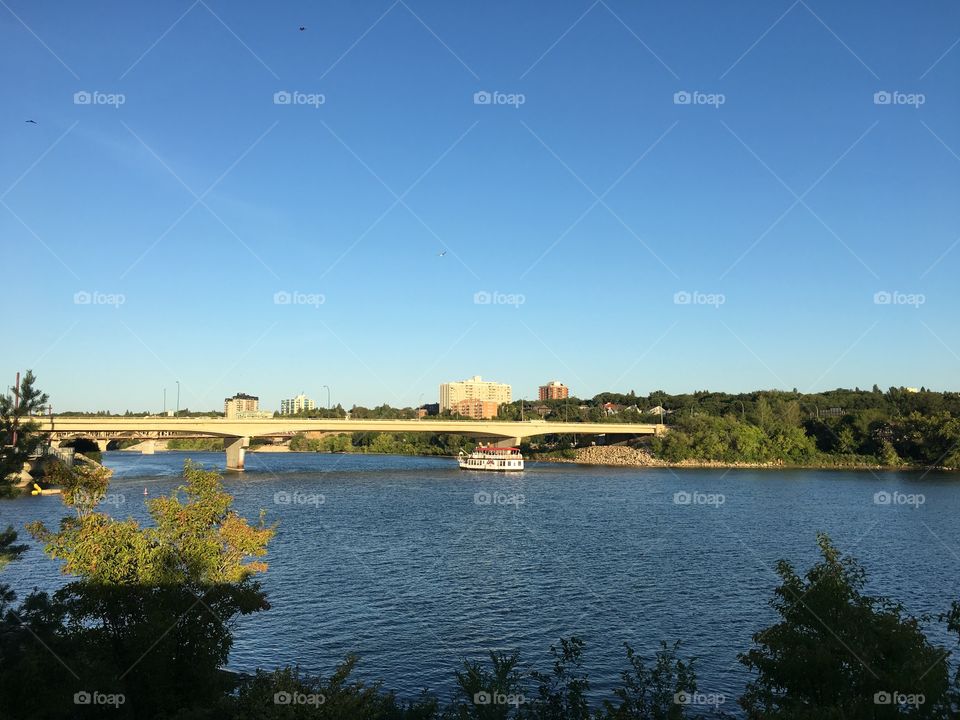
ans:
(625, 239)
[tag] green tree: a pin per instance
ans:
(149, 614)
(652, 693)
(18, 436)
(836, 651)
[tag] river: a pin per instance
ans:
(416, 565)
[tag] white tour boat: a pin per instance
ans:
(491, 458)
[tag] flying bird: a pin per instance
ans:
(441, 253)
(302, 28)
(31, 121)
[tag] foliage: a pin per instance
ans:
(195, 444)
(835, 649)
(15, 421)
(150, 611)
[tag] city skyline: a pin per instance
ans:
(639, 198)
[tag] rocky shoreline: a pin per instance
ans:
(623, 456)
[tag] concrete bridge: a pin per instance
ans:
(237, 433)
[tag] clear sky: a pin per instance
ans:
(658, 195)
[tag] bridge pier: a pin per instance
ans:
(102, 445)
(236, 450)
(508, 442)
(148, 447)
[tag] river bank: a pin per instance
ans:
(624, 456)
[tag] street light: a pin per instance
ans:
(177, 414)
(328, 394)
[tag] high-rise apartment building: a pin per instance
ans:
(474, 388)
(554, 390)
(297, 404)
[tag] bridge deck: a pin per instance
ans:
(222, 427)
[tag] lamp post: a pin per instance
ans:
(177, 414)
(164, 401)
(328, 394)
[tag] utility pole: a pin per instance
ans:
(328, 394)
(164, 401)
(178, 399)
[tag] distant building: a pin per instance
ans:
(240, 403)
(612, 408)
(476, 409)
(658, 410)
(296, 405)
(244, 407)
(474, 388)
(541, 410)
(554, 390)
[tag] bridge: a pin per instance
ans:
(237, 433)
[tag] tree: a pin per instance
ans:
(562, 693)
(18, 436)
(655, 693)
(149, 614)
(838, 653)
